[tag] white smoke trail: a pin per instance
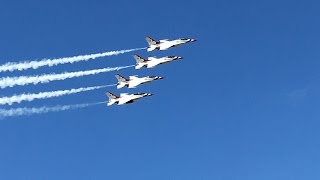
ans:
(45, 95)
(12, 66)
(46, 78)
(40, 110)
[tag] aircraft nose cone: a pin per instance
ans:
(160, 77)
(193, 40)
(149, 94)
(179, 57)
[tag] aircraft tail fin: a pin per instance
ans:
(111, 96)
(151, 41)
(120, 78)
(121, 81)
(138, 59)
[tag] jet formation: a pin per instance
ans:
(150, 62)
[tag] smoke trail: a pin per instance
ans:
(42, 110)
(46, 78)
(12, 66)
(45, 95)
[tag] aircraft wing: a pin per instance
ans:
(152, 58)
(164, 40)
(133, 77)
(123, 94)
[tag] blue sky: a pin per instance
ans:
(243, 103)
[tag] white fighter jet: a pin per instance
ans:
(124, 98)
(151, 62)
(165, 44)
(134, 81)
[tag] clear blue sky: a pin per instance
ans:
(243, 104)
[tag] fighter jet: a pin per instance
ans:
(124, 98)
(151, 62)
(134, 81)
(165, 44)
